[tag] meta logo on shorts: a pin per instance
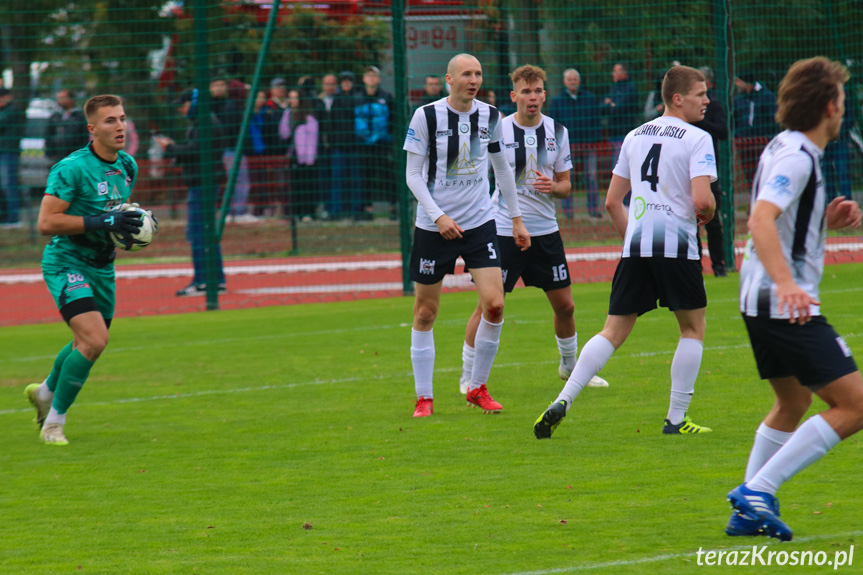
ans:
(530, 141)
(780, 184)
(102, 188)
(427, 266)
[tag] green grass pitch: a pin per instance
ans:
(280, 440)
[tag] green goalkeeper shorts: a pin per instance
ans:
(70, 282)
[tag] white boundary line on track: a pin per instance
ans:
(670, 556)
(130, 272)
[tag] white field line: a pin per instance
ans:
(671, 556)
(205, 392)
(385, 264)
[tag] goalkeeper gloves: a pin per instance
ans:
(114, 221)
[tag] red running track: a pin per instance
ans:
(150, 289)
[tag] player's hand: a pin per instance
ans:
(543, 183)
(842, 213)
(791, 296)
(448, 228)
(520, 234)
(703, 219)
(114, 221)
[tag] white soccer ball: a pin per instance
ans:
(140, 239)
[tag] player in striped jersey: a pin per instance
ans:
(537, 148)
(794, 346)
(449, 145)
(668, 164)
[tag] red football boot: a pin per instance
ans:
(425, 407)
(480, 398)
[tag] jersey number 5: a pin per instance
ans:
(650, 167)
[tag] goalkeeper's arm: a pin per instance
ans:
(54, 221)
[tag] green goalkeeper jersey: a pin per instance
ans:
(91, 185)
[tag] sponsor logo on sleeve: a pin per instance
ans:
(780, 184)
(411, 137)
(709, 160)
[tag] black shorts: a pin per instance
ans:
(639, 282)
(432, 257)
(813, 352)
(542, 265)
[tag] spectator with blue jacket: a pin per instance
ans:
(373, 125)
(579, 112)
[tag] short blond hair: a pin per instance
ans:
(527, 74)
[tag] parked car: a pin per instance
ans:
(34, 165)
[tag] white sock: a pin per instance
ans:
(43, 393)
(485, 343)
(808, 444)
(568, 348)
(684, 371)
(54, 417)
(467, 356)
(422, 360)
(767, 442)
(594, 355)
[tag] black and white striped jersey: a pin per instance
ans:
(456, 146)
(543, 148)
(660, 159)
(789, 177)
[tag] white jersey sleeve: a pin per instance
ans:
(785, 181)
(563, 162)
(417, 138)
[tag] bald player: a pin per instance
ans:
(449, 145)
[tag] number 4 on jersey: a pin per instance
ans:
(650, 167)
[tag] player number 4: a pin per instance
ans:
(650, 167)
(559, 272)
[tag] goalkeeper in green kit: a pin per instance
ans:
(83, 204)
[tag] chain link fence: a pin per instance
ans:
(315, 99)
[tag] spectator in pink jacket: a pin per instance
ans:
(299, 128)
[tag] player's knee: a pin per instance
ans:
(565, 311)
(425, 314)
(93, 346)
(796, 406)
(494, 311)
